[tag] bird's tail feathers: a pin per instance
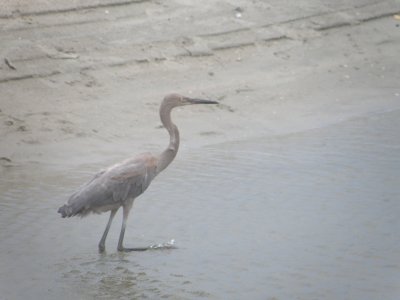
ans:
(65, 211)
(72, 210)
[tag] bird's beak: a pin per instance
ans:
(200, 101)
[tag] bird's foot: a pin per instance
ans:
(102, 248)
(123, 249)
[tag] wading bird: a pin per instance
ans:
(121, 183)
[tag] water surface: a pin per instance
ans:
(309, 215)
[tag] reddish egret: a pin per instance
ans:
(121, 183)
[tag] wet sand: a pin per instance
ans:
(72, 95)
(286, 190)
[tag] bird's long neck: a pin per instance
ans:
(168, 155)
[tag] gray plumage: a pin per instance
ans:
(111, 188)
(121, 183)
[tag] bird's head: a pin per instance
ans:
(173, 100)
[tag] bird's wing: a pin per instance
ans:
(113, 186)
(129, 180)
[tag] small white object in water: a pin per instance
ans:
(167, 245)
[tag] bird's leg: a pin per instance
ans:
(126, 208)
(103, 238)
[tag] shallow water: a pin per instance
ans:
(310, 215)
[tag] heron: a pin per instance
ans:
(120, 184)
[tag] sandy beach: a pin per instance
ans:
(85, 79)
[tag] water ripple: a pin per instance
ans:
(303, 215)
